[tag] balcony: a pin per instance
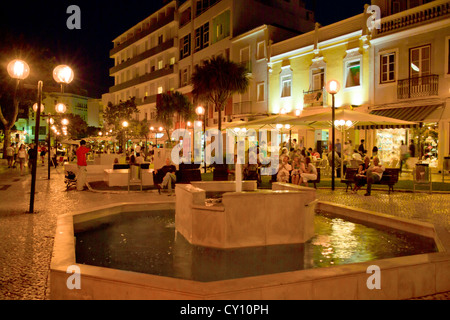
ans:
(314, 97)
(143, 33)
(147, 54)
(245, 107)
(430, 12)
(142, 79)
(418, 87)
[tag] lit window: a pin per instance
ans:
(387, 65)
(160, 64)
(353, 74)
(160, 90)
(286, 84)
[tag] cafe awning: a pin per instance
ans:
(416, 114)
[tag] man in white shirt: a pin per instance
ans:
(374, 174)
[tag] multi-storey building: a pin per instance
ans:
(301, 66)
(160, 53)
(410, 75)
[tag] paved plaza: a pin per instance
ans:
(26, 240)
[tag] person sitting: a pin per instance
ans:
(315, 154)
(374, 174)
(360, 177)
(297, 169)
(284, 169)
(139, 158)
(168, 173)
(356, 155)
(310, 173)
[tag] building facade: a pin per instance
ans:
(411, 78)
(159, 54)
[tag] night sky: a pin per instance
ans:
(87, 50)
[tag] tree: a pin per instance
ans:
(41, 62)
(170, 104)
(115, 115)
(217, 81)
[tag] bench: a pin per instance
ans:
(389, 178)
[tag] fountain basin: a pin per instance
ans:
(401, 277)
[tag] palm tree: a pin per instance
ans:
(217, 80)
(171, 103)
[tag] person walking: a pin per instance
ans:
(412, 148)
(82, 165)
(22, 157)
(32, 156)
(10, 155)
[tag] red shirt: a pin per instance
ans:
(81, 156)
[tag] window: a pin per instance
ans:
(260, 92)
(185, 46)
(184, 77)
(160, 39)
(261, 51)
(172, 61)
(420, 61)
(160, 64)
(318, 79)
(219, 30)
(387, 67)
(160, 90)
(286, 84)
(202, 37)
(245, 58)
(353, 74)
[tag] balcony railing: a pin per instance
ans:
(147, 54)
(314, 97)
(245, 107)
(142, 79)
(433, 11)
(418, 87)
(143, 33)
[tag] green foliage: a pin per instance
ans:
(170, 104)
(217, 81)
(115, 114)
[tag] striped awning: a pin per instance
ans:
(416, 114)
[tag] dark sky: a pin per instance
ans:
(87, 50)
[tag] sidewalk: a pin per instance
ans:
(26, 240)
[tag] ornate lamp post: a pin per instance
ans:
(333, 87)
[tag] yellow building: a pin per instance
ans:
(301, 66)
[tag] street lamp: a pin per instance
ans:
(333, 87)
(125, 125)
(63, 75)
(201, 112)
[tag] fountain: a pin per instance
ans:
(243, 247)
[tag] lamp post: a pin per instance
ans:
(333, 87)
(201, 112)
(125, 126)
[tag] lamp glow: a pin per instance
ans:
(18, 69)
(63, 74)
(333, 87)
(60, 108)
(35, 107)
(65, 122)
(200, 110)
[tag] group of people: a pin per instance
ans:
(19, 155)
(296, 165)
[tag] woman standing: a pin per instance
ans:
(22, 156)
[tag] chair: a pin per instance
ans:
(349, 178)
(134, 176)
(318, 178)
(324, 166)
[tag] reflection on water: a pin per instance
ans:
(147, 243)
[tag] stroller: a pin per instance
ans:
(70, 180)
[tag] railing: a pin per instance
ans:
(417, 87)
(147, 77)
(314, 97)
(434, 10)
(245, 107)
(143, 33)
(149, 53)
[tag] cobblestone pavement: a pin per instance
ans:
(26, 240)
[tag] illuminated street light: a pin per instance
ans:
(333, 87)
(35, 107)
(63, 75)
(18, 69)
